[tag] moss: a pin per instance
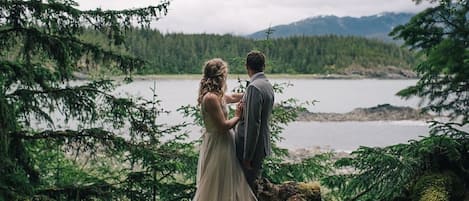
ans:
(434, 193)
(445, 186)
(288, 191)
(311, 190)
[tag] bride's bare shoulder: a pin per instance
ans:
(211, 99)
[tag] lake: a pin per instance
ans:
(332, 96)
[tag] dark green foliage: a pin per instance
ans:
(277, 168)
(67, 140)
(438, 186)
(388, 173)
(437, 163)
(185, 53)
(312, 168)
(441, 34)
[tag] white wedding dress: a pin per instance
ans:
(219, 173)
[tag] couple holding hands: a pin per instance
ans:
(233, 150)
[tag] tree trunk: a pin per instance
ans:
(7, 125)
(6, 165)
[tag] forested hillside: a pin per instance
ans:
(373, 26)
(185, 53)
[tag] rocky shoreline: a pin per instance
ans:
(352, 73)
(384, 112)
(384, 72)
(299, 154)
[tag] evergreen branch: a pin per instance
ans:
(57, 91)
(169, 173)
(89, 190)
(67, 10)
(365, 191)
(97, 133)
(149, 11)
(57, 46)
(449, 22)
(77, 101)
(64, 19)
(5, 30)
(43, 45)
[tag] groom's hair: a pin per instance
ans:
(255, 61)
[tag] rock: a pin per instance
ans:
(296, 198)
(384, 112)
(267, 191)
(385, 72)
(288, 191)
(81, 76)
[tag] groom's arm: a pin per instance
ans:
(252, 121)
(233, 97)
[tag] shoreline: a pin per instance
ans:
(135, 77)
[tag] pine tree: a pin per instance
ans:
(435, 167)
(42, 47)
(441, 34)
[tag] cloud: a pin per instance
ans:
(247, 16)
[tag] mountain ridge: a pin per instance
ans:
(375, 26)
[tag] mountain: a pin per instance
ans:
(374, 26)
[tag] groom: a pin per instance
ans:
(252, 133)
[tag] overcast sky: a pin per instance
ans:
(247, 16)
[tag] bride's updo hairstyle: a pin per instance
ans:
(214, 78)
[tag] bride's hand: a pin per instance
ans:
(239, 110)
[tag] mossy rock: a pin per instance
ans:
(445, 186)
(311, 190)
(289, 191)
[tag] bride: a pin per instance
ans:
(219, 174)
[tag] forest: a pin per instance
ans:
(174, 53)
(118, 150)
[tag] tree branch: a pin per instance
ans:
(370, 187)
(45, 39)
(101, 189)
(58, 91)
(50, 134)
(95, 133)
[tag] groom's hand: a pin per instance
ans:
(247, 164)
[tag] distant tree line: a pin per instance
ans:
(177, 53)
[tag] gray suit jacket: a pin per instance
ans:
(252, 134)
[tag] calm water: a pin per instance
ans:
(333, 96)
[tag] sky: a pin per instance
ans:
(240, 17)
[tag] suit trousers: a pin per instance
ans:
(251, 174)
